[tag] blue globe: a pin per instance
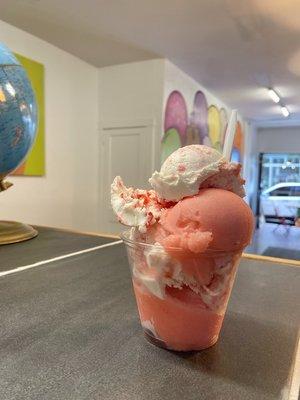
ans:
(18, 113)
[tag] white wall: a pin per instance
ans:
(278, 139)
(133, 92)
(67, 195)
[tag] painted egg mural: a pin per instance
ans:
(175, 125)
(202, 125)
(192, 135)
(170, 142)
(238, 144)
(176, 115)
(199, 116)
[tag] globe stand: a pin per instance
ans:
(14, 232)
(11, 231)
(4, 185)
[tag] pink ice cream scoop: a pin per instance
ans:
(215, 218)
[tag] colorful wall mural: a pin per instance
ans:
(202, 125)
(34, 165)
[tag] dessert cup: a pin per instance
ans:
(181, 297)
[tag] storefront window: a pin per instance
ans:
(278, 168)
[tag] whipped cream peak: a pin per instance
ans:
(184, 170)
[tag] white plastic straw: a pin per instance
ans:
(229, 135)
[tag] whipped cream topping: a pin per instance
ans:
(184, 170)
(152, 273)
(134, 207)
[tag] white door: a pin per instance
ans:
(126, 151)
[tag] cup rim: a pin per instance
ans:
(134, 243)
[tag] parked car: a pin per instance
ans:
(282, 199)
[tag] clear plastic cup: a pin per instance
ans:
(181, 298)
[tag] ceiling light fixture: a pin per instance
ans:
(285, 111)
(274, 96)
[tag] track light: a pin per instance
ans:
(285, 111)
(274, 96)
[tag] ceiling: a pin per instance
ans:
(235, 48)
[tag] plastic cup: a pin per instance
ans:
(181, 299)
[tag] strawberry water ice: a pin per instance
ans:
(186, 239)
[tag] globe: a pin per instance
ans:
(18, 113)
(18, 122)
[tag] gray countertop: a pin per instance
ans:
(48, 244)
(70, 330)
